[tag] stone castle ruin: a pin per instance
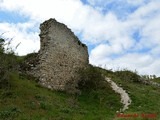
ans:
(60, 57)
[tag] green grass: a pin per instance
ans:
(26, 100)
(21, 98)
(145, 98)
(157, 80)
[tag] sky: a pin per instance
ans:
(120, 34)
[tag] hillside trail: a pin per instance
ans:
(125, 99)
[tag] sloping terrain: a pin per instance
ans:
(145, 98)
(26, 100)
(22, 98)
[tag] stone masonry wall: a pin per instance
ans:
(61, 55)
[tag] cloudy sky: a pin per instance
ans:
(119, 33)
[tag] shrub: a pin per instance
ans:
(29, 61)
(90, 79)
(128, 75)
(1, 46)
(8, 64)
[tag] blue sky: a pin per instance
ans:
(119, 33)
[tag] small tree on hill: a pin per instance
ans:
(8, 64)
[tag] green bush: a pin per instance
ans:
(30, 60)
(90, 79)
(157, 79)
(8, 64)
(128, 75)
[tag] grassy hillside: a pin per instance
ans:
(21, 98)
(26, 100)
(145, 98)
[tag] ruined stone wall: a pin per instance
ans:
(61, 55)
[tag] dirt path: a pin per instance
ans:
(125, 99)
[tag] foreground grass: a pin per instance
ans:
(26, 100)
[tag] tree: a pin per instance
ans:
(8, 64)
(1, 45)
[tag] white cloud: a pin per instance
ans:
(145, 64)
(136, 2)
(104, 50)
(146, 21)
(110, 35)
(29, 42)
(146, 10)
(94, 26)
(44, 9)
(106, 2)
